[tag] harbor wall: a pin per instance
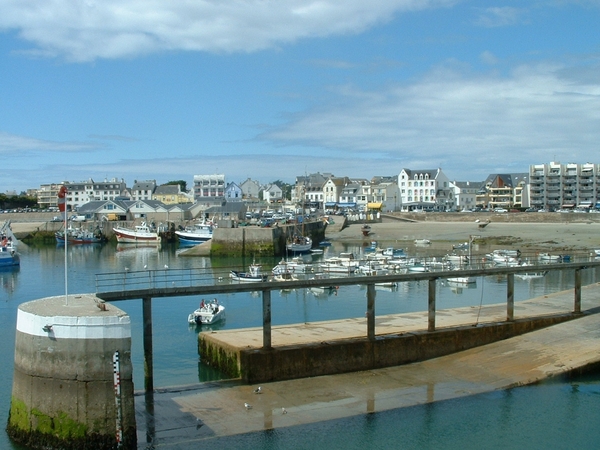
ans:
(256, 241)
(64, 393)
(258, 365)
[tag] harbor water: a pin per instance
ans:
(554, 414)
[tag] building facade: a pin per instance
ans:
(209, 187)
(555, 186)
(506, 190)
(425, 190)
(81, 193)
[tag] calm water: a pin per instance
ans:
(556, 414)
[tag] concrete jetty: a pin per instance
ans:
(322, 348)
(218, 407)
(72, 384)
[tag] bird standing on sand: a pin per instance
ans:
(247, 405)
(258, 390)
(283, 410)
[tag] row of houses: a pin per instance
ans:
(550, 186)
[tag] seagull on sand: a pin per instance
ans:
(283, 410)
(258, 390)
(247, 405)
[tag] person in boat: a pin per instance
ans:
(202, 304)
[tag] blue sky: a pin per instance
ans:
(165, 89)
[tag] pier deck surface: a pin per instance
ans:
(195, 413)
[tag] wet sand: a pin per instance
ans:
(579, 236)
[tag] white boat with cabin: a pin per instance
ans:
(140, 234)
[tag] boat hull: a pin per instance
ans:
(126, 236)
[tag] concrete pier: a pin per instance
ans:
(73, 385)
(333, 347)
(561, 349)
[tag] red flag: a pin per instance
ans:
(62, 199)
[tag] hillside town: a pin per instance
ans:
(553, 186)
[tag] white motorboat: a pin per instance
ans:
(461, 280)
(141, 234)
(195, 234)
(547, 257)
(422, 242)
(208, 313)
(415, 266)
(457, 259)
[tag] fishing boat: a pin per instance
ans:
(208, 313)
(299, 244)
(253, 275)
(141, 234)
(79, 236)
(9, 257)
(195, 234)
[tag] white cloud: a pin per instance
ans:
(488, 57)
(499, 16)
(87, 30)
(12, 144)
(457, 121)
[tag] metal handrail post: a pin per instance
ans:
(371, 311)
(577, 300)
(266, 302)
(510, 296)
(431, 305)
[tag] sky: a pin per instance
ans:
(275, 89)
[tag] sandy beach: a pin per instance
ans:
(534, 236)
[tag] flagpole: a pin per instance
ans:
(62, 207)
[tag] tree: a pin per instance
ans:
(181, 183)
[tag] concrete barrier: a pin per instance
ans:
(72, 384)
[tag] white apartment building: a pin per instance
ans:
(465, 194)
(559, 186)
(209, 187)
(143, 189)
(426, 190)
(82, 192)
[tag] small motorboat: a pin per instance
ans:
(547, 257)
(208, 313)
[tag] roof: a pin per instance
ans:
(168, 189)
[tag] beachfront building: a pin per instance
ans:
(564, 186)
(385, 196)
(308, 190)
(465, 194)
(506, 191)
(425, 190)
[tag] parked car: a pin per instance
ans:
(500, 210)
